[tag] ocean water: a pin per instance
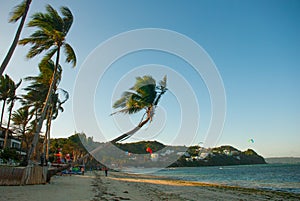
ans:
(277, 177)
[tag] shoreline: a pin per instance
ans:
(94, 186)
(151, 187)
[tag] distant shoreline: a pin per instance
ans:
(283, 160)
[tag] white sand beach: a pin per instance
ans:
(120, 186)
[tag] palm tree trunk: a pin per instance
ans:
(49, 120)
(44, 149)
(46, 138)
(133, 131)
(122, 137)
(48, 143)
(3, 107)
(8, 123)
(44, 110)
(46, 135)
(16, 39)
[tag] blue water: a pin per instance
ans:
(278, 177)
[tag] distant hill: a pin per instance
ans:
(219, 156)
(286, 160)
(150, 154)
(195, 155)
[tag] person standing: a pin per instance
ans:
(106, 171)
(82, 170)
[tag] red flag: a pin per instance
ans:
(149, 150)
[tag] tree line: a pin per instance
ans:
(42, 99)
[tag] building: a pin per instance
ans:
(12, 142)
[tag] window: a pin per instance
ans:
(15, 145)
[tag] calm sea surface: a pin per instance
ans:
(279, 177)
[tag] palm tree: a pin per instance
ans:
(53, 111)
(36, 94)
(19, 12)
(12, 97)
(50, 36)
(4, 92)
(144, 95)
(39, 86)
(21, 119)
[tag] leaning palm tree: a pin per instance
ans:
(50, 36)
(20, 12)
(144, 95)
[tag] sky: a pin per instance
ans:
(253, 46)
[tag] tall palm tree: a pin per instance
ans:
(20, 12)
(50, 36)
(144, 95)
(36, 94)
(12, 97)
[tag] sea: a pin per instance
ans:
(275, 177)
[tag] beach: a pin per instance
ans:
(94, 186)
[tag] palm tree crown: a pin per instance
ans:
(145, 94)
(7, 91)
(51, 33)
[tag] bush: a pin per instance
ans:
(8, 153)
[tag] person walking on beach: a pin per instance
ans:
(82, 170)
(106, 171)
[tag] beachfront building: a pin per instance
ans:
(12, 142)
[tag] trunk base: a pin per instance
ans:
(16, 176)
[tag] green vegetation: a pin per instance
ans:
(8, 154)
(140, 147)
(49, 37)
(43, 99)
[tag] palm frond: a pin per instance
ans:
(18, 12)
(34, 51)
(56, 20)
(70, 54)
(163, 82)
(68, 18)
(49, 55)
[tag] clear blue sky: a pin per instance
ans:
(255, 46)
